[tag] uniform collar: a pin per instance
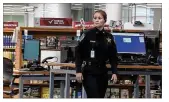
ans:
(99, 31)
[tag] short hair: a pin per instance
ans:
(103, 13)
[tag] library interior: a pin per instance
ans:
(39, 43)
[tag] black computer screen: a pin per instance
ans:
(132, 43)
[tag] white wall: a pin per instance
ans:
(61, 10)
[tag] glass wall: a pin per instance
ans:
(143, 14)
(17, 18)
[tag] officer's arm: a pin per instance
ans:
(78, 54)
(113, 56)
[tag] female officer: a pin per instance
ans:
(96, 46)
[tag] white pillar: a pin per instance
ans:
(61, 10)
(114, 12)
(37, 13)
(157, 24)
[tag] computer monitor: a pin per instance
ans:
(68, 50)
(32, 50)
(152, 39)
(130, 43)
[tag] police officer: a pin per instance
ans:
(96, 46)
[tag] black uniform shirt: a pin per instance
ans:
(102, 43)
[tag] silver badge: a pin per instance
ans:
(108, 40)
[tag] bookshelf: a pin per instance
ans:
(8, 30)
(8, 49)
(40, 32)
(8, 46)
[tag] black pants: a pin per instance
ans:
(95, 85)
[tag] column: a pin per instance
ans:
(114, 12)
(38, 12)
(157, 24)
(88, 12)
(61, 10)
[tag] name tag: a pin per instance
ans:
(92, 54)
(92, 41)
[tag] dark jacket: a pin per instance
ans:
(104, 48)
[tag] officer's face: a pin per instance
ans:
(98, 20)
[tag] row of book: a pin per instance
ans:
(9, 55)
(45, 42)
(49, 41)
(7, 42)
(124, 93)
(117, 93)
(41, 92)
(54, 41)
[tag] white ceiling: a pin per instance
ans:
(74, 6)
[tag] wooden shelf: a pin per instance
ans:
(72, 30)
(125, 85)
(31, 72)
(108, 65)
(8, 30)
(40, 29)
(37, 84)
(50, 49)
(8, 48)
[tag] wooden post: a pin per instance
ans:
(18, 49)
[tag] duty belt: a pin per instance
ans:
(93, 63)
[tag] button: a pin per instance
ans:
(89, 63)
(103, 32)
(96, 32)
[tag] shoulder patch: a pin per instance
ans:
(82, 37)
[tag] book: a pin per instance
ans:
(9, 55)
(51, 41)
(45, 92)
(35, 92)
(114, 93)
(7, 42)
(56, 93)
(27, 94)
(124, 93)
(42, 43)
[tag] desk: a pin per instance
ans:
(72, 65)
(32, 75)
(129, 70)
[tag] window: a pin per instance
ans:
(143, 14)
(17, 18)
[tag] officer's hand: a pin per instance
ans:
(79, 77)
(114, 78)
